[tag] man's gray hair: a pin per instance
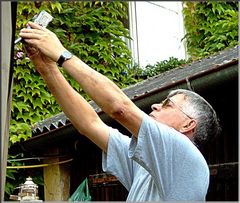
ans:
(198, 108)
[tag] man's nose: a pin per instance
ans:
(156, 107)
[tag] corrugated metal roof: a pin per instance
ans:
(156, 83)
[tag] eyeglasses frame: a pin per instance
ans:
(164, 102)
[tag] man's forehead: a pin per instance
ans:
(179, 98)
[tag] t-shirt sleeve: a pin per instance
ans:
(169, 156)
(116, 160)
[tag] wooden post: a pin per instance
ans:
(56, 178)
(6, 84)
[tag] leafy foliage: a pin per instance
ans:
(210, 27)
(95, 33)
(162, 66)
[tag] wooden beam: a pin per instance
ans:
(56, 178)
(6, 88)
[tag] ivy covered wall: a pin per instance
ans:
(210, 27)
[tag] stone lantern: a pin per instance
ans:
(27, 191)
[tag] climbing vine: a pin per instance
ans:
(210, 27)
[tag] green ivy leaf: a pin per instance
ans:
(37, 103)
(14, 139)
(21, 106)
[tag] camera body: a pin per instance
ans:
(43, 19)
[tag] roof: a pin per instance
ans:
(209, 71)
(149, 86)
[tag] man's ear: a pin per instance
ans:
(188, 127)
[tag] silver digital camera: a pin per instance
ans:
(43, 19)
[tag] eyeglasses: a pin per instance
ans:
(165, 103)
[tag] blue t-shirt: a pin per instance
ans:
(161, 164)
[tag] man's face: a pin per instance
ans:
(170, 112)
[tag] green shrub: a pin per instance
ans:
(210, 27)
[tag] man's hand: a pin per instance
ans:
(43, 39)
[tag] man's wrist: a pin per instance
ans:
(66, 55)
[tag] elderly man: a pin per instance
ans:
(160, 161)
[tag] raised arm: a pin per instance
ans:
(103, 91)
(76, 108)
(106, 94)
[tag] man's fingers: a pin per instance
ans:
(30, 38)
(31, 41)
(35, 25)
(31, 31)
